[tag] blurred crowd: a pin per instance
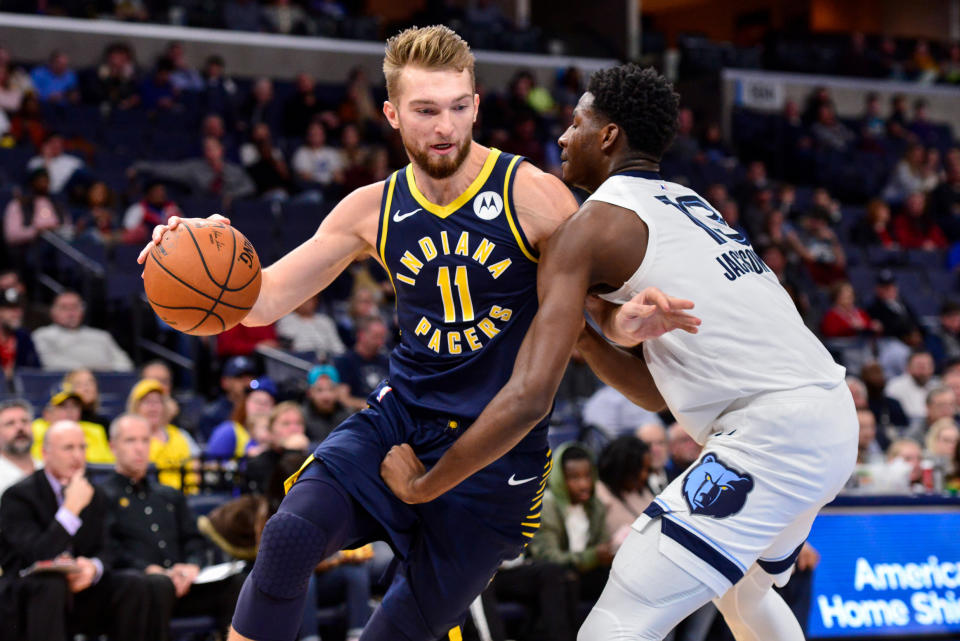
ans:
(186, 453)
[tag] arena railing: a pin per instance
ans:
(32, 38)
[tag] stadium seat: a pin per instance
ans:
(36, 385)
(116, 383)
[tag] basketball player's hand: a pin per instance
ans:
(650, 314)
(172, 223)
(808, 558)
(401, 469)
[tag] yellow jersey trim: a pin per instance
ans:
(455, 634)
(293, 477)
(506, 209)
(460, 201)
(383, 229)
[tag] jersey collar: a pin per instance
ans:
(462, 199)
(636, 173)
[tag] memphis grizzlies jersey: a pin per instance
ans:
(465, 278)
(752, 339)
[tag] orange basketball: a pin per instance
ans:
(202, 278)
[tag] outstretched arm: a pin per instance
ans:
(347, 233)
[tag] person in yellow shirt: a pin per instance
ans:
(171, 448)
(66, 405)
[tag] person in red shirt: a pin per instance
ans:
(914, 227)
(844, 318)
(242, 340)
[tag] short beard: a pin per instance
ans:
(442, 167)
(18, 447)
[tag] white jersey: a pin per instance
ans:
(752, 339)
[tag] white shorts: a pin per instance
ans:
(772, 461)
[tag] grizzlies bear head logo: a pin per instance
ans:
(714, 489)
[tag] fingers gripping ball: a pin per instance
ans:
(202, 278)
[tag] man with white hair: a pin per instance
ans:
(16, 439)
(56, 514)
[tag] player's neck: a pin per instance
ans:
(633, 162)
(444, 191)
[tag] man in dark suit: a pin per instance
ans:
(56, 513)
(152, 530)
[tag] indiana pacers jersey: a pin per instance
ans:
(465, 278)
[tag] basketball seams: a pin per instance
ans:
(223, 288)
(191, 287)
(209, 313)
(203, 260)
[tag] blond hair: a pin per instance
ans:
(436, 48)
(939, 426)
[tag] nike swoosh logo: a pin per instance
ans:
(513, 480)
(397, 217)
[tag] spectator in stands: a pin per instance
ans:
(286, 433)
(912, 387)
(897, 121)
(84, 383)
(355, 153)
(573, 530)
(261, 106)
(873, 229)
(359, 106)
(265, 164)
(11, 96)
(98, 222)
(872, 127)
(922, 129)
(171, 448)
(819, 247)
(56, 513)
(322, 409)
(16, 441)
(210, 176)
(219, 92)
(912, 174)
(158, 93)
(868, 449)
(317, 163)
(910, 452)
(943, 342)
(754, 180)
(945, 203)
(363, 367)
(56, 81)
(159, 371)
(235, 438)
(942, 438)
(683, 451)
(829, 133)
(774, 257)
(714, 149)
(243, 341)
(301, 108)
(941, 403)
(153, 530)
(685, 146)
(306, 330)
(115, 86)
(214, 126)
(66, 405)
(27, 126)
(281, 16)
(622, 469)
(923, 66)
(655, 437)
(69, 344)
(60, 166)
(950, 68)
(859, 392)
(817, 98)
(844, 319)
(235, 378)
(887, 307)
(16, 345)
(183, 76)
(155, 208)
(614, 413)
(891, 419)
(797, 142)
(914, 227)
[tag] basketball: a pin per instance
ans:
(202, 278)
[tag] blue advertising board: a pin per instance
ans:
(886, 574)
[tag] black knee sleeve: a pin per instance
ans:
(290, 549)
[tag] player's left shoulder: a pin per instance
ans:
(542, 202)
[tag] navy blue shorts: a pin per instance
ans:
(450, 547)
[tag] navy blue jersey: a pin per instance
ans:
(465, 277)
